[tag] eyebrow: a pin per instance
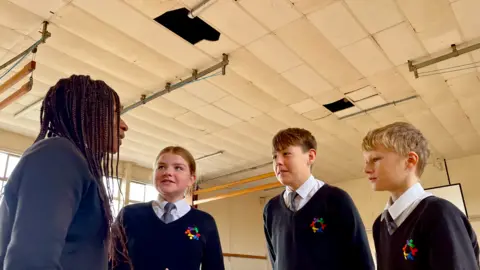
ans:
(174, 164)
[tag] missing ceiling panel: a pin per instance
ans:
(339, 105)
(192, 30)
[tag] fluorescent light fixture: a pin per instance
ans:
(210, 155)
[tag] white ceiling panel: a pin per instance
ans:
(9, 37)
(238, 108)
(362, 122)
(217, 115)
(198, 122)
(216, 49)
(10, 14)
(469, 142)
(268, 124)
(376, 15)
(400, 44)
(387, 114)
(470, 106)
(308, 6)
(302, 37)
(274, 53)
(184, 99)
(152, 35)
(154, 8)
(86, 26)
(441, 42)
(361, 93)
(243, 141)
(272, 14)
(367, 57)
(432, 89)
(165, 107)
(229, 18)
(307, 80)
(370, 102)
(465, 86)
(245, 91)
(87, 52)
(329, 97)
(205, 91)
(467, 17)
(317, 114)
(392, 85)
(338, 25)
(44, 9)
(160, 121)
(453, 118)
(254, 132)
(252, 69)
(304, 106)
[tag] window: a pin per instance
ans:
(8, 162)
(140, 192)
(117, 202)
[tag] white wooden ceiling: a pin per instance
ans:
(287, 58)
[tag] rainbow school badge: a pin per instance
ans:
(409, 251)
(193, 233)
(318, 225)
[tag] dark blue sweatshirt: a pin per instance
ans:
(436, 235)
(51, 215)
(326, 233)
(183, 244)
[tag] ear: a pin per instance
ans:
(312, 155)
(193, 178)
(412, 160)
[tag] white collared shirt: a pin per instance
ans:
(181, 208)
(405, 204)
(305, 192)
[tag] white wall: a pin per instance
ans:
(240, 224)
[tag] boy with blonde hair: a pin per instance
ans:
(311, 225)
(417, 230)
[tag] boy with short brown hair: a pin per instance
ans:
(417, 230)
(311, 225)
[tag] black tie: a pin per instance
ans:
(391, 225)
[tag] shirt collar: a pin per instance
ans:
(181, 205)
(304, 189)
(414, 193)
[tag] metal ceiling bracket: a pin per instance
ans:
(43, 39)
(170, 87)
(454, 53)
(225, 59)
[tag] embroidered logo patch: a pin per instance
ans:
(409, 251)
(318, 225)
(193, 233)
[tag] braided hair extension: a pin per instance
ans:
(85, 111)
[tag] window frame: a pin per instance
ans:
(116, 199)
(145, 185)
(3, 178)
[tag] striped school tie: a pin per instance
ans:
(291, 199)
(391, 225)
(167, 217)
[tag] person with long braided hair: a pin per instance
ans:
(55, 212)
